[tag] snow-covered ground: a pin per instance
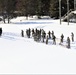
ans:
(20, 55)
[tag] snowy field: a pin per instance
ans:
(20, 55)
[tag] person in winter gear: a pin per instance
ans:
(52, 34)
(43, 35)
(72, 36)
(54, 39)
(68, 42)
(47, 40)
(62, 37)
(22, 33)
(0, 31)
(49, 33)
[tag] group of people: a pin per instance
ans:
(40, 35)
(68, 40)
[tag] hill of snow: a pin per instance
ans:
(22, 55)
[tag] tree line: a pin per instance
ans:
(34, 7)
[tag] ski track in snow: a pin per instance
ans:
(10, 36)
(15, 37)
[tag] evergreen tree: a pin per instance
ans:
(35, 7)
(10, 7)
(7, 7)
(54, 7)
(45, 4)
(2, 9)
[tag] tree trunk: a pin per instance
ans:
(8, 18)
(4, 19)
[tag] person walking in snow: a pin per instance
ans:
(22, 33)
(29, 33)
(47, 39)
(0, 31)
(68, 42)
(54, 39)
(49, 33)
(62, 37)
(52, 34)
(33, 32)
(72, 36)
(43, 35)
